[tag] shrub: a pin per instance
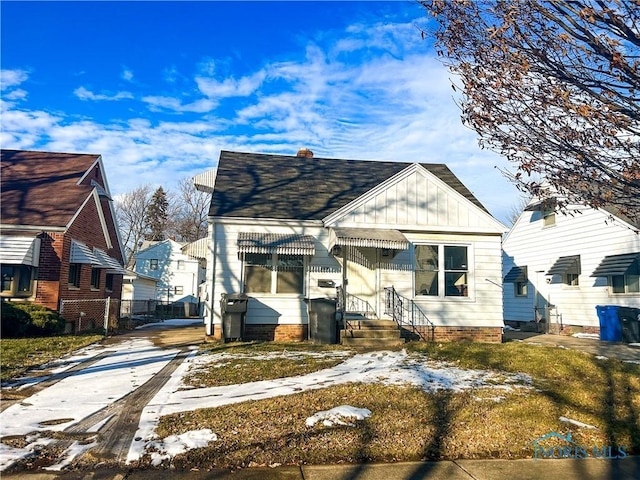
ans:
(30, 319)
(15, 321)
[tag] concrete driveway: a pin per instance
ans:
(617, 350)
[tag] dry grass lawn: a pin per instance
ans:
(20, 354)
(410, 424)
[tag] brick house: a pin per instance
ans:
(58, 235)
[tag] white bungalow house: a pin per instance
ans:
(393, 240)
(177, 273)
(559, 266)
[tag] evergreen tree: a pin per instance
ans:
(156, 216)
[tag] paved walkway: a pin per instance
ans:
(570, 469)
(620, 351)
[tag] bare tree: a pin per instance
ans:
(554, 86)
(516, 210)
(131, 211)
(190, 208)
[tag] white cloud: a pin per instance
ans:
(83, 94)
(17, 94)
(157, 103)
(127, 74)
(12, 78)
(230, 87)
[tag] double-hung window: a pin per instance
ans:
(95, 278)
(273, 273)
(74, 275)
(441, 270)
(625, 283)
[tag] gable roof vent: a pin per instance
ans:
(304, 152)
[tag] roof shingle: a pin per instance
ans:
(287, 187)
(41, 188)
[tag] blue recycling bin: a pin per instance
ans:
(610, 326)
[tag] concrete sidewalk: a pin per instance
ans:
(526, 469)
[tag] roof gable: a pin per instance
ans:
(45, 189)
(153, 249)
(255, 185)
(413, 199)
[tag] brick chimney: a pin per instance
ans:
(304, 152)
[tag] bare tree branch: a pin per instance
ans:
(554, 87)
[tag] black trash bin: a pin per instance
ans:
(630, 323)
(323, 327)
(233, 310)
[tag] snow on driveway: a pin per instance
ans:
(126, 366)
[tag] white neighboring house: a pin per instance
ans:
(136, 286)
(559, 267)
(178, 275)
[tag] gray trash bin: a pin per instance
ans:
(233, 309)
(323, 327)
(630, 324)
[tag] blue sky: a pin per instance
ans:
(159, 88)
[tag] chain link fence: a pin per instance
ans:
(87, 315)
(111, 315)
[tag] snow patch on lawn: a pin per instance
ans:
(173, 445)
(576, 423)
(338, 416)
(587, 335)
(385, 367)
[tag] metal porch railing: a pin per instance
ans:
(407, 313)
(353, 304)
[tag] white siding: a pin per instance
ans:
(413, 201)
(269, 308)
(418, 200)
(590, 234)
(138, 289)
(174, 270)
(483, 306)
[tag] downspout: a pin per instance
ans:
(345, 280)
(211, 271)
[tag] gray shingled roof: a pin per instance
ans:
(288, 187)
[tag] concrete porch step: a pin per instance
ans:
(366, 333)
(376, 324)
(373, 343)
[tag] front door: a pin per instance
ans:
(362, 276)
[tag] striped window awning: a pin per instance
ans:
(516, 275)
(281, 243)
(197, 249)
(19, 250)
(110, 263)
(563, 265)
(80, 253)
(368, 237)
(625, 264)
